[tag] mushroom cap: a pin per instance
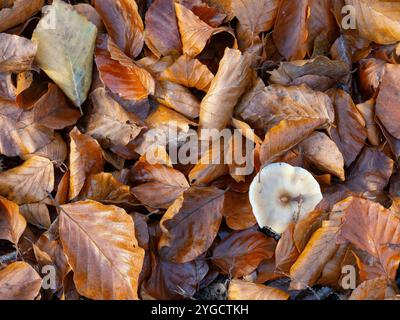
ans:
(281, 194)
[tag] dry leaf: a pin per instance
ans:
(19, 281)
(65, 50)
(240, 253)
(36, 214)
(120, 74)
(189, 73)
(162, 34)
(21, 11)
(85, 158)
(16, 53)
(12, 223)
(191, 224)
(102, 250)
(30, 182)
(123, 23)
(226, 88)
(243, 290)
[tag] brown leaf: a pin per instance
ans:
(208, 14)
(16, 53)
(102, 250)
(30, 182)
(374, 230)
(7, 89)
(92, 15)
(21, 11)
(387, 103)
(319, 250)
(349, 134)
(371, 72)
(123, 23)
(177, 97)
(194, 32)
(377, 20)
(319, 73)
(290, 32)
(237, 211)
(85, 158)
(256, 15)
(21, 135)
(103, 187)
(19, 281)
(324, 154)
(12, 223)
(264, 107)
(53, 110)
(191, 224)
(240, 253)
(36, 214)
(243, 290)
(109, 123)
(375, 289)
(162, 34)
(189, 73)
(226, 88)
(367, 110)
(120, 74)
(371, 173)
(160, 185)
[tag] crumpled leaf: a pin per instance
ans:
(162, 34)
(256, 15)
(349, 134)
(19, 281)
(30, 182)
(191, 224)
(21, 11)
(374, 230)
(324, 154)
(189, 73)
(21, 135)
(226, 88)
(387, 103)
(240, 253)
(377, 21)
(123, 23)
(120, 74)
(308, 267)
(65, 45)
(85, 158)
(244, 290)
(16, 53)
(102, 250)
(157, 179)
(12, 223)
(110, 123)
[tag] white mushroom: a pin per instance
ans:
(280, 194)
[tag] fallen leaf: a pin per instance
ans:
(387, 103)
(21, 11)
(103, 251)
(226, 88)
(120, 74)
(65, 50)
(162, 34)
(240, 253)
(159, 185)
(189, 73)
(237, 211)
(85, 158)
(243, 290)
(191, 224)
(36, 214)
(375, 289)
(123, 23)
(16, 53)
(19, 281)
(109, 123)
(324, 154)
(30, 182)
(12, 223)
